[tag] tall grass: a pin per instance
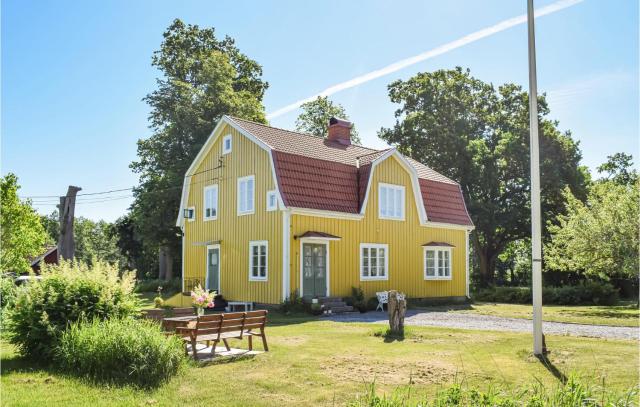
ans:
(574, 393)
(121, 351)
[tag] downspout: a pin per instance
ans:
(358, 182)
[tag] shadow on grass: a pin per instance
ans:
(552, 368)
(19, 364)
(390, 336)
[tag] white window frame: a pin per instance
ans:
(226, 138)
(253, 244)
(436, 251)
(253, 198)
(274, 194)
(386, 261)
(204, 202)
(403, 203)
(193, 218)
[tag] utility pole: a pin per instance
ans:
(66, 210)
(536, 229)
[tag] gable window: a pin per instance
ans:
(390, 201)
(272, 200)
(210, 202)
(246, 186)
(226, 144)
(437, 263)
(258, 260)
(374, 261)
(190, 213)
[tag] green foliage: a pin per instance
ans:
(203, 78)
(121, 351)
(315, 115)
(478, 135)
(22, 235)
(169, 287)
(8, 294)
(357, 299)
(293, 304)
(587, 292)
(68, 292)
(599, 237)
(158, 302)
(574, 392)
(619, 169)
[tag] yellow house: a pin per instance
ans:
(268, 213)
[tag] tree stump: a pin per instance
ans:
(397, 307)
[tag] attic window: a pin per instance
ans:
(226, 144)
(189, 213)
(390, 201)
(272, 200)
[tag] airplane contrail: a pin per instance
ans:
(396, 66)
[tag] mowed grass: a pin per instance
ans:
(318, 362)
(625, 314)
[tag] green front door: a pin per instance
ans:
(314, 270)
(213, 269)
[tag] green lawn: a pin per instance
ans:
(625, 314)
(317, 362)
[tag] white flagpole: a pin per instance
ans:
(536, 231)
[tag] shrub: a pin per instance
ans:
(293, 304)
(8, 292)
(67, 293)
(357, 299)
(587, 292)
(158, 302)
(120, 351)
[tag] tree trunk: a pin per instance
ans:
(397, 307)
(66, 210)
(162, 262)
(487, 263)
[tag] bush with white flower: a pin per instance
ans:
(201, 298)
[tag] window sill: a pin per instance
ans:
(390, 218)
(373, 278)
(259, 280)
(210, 218)
(246, 213)
(438, 278)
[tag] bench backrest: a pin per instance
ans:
(255, 320)
(182, 312)
(209, 324)
(230, 322)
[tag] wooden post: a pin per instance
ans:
(66, 209)
(397, 307)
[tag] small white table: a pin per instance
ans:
(248, 306)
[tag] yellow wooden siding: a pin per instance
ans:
(405, 240)
(235, 232)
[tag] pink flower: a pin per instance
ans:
(210, 305)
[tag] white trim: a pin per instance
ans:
(206, 267)
(441, 225)
(417, 195)
(253, 209)
(274, 193)
(182, 260)
(326, 214)
(258, 243)
(435, 250)
(193, 218)
(286, 249)
(204, 202)
(313, 240)
(386, 261)
(226, 150)
(466, 261)
(392, 187)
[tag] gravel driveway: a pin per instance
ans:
(491, 323)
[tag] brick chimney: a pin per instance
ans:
(340, 131)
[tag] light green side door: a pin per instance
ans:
(213, 268)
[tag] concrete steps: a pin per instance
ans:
(335, 304)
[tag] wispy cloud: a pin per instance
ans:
(442, 49)
(584, 87)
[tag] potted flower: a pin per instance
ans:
(201, 299)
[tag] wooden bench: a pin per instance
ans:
(212, 329)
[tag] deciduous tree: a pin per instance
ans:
(315, 116)
(203, 78)
(22, 235)
(479, 136)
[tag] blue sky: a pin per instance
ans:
(74, 73)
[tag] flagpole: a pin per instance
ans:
(536, 230)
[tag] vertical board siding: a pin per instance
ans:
(405, 240)
(235, 232)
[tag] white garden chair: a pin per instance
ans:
(383, 298)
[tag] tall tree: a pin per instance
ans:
(619, 169)
(315, 115)
(599, 237)
(479, 136)
(203, 78)
(21, 234)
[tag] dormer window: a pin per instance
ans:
(390, 201)
(226, 144)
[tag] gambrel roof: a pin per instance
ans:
(319, 174)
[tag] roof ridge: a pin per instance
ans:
(294, 132)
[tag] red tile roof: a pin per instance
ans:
(315, 173)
